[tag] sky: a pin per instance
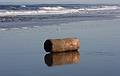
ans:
(59, 1)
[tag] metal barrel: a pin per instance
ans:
(61, 45)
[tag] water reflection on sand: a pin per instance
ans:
(57, 59)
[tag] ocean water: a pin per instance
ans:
(22, 37)
(49, 14)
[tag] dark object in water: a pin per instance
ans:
(53, 59)
(61, 45)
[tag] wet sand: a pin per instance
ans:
(22, 50)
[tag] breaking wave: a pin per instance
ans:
(29, 16)
(23, 13)
(58, 10)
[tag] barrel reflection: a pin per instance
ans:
(56, 59)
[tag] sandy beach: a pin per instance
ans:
(22, 50)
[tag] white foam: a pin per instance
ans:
(2, 29)
(104, 8)
(25, 27)
(23, 5)
(37, 12)
(52, 8)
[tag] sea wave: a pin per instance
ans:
(57, 10)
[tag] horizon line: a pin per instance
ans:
(33, 3)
